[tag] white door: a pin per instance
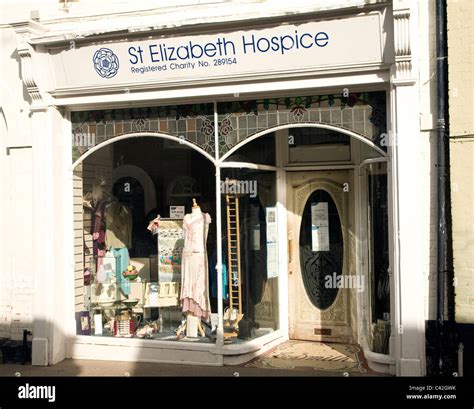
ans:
(321, 250)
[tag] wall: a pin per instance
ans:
(16, 301)
(16, 219)
(427, 92)
(461, 123)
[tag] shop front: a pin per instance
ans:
(222, 191)
(284, 184)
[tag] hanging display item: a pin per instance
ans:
(111, 235)
(170, 248)
(118, 238)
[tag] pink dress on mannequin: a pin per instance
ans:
(194, 267)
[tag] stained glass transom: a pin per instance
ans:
(362, 113)
(194, 123)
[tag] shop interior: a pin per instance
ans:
(145, 245)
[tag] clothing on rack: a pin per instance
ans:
(122, 261)
(118, 226)
(98, 233)
(213, 275)
(112, 230)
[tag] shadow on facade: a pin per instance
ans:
(14, 367)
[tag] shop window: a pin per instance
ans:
(183, 188)
(250, 252)
(133, 262)
(378, 247)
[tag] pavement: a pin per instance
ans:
(291, 358)
(84, 367)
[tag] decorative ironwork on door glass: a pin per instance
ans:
(321, 269)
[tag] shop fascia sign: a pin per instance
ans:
(183, 56)
(286, 48)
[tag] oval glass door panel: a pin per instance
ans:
(321, 249)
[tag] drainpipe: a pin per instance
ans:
(443, 259)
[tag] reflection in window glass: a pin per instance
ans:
(258, 259)
(310, 144)
(260, 151)
(130, 200)
(379, 257)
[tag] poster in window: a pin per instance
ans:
(272, 240)
(83, 323)
(170, 248)
(319, 226)
(177, 212)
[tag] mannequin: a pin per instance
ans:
(194, 272)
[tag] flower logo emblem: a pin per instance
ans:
(106, 63)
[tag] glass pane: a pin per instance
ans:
(131, 265)
(310, 144)
(320, 260)
(310, 136)
(379, 257)
(256, 256)
(260, 151)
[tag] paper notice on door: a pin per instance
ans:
(272, 232)
(272, 241)
(272, 260)
(319, 226)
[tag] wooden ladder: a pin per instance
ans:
(233, 251)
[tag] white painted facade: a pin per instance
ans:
(36, 224)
